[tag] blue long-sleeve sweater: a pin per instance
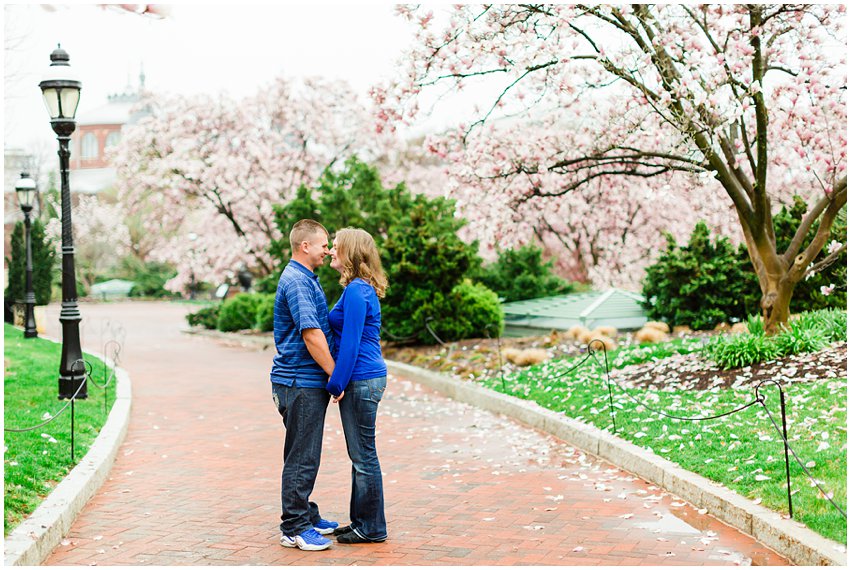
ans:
(356, 323)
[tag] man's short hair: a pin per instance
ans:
(302, 231)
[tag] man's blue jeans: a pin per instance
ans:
(303, 413)
(358, 409)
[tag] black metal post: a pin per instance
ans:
(786, 449)
(69, 316)
(72, 428)
(29, 300)
(608, 381)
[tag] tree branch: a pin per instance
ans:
(808, 220)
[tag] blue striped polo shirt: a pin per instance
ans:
(299, 304)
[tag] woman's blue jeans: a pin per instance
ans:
(358, 409)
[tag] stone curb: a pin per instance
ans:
(31, 542)
(791, 539)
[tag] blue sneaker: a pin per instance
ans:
(325, 527)
(308, 540)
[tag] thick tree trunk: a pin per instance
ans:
(776, 280)
(775, 304)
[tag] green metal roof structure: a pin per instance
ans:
(614, 308)
(112, 289)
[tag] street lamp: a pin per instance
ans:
(26, 193)
(61, 90)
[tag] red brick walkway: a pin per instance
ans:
(197, 480)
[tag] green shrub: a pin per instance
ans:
(207, 317)
(794, 340)
(520, 274)
(755, 325)
(808, 332)
(150, 279)
(265, 320)
(43, 261)
(470, 310)
(700, 284)
(735, 351)
(239, 312)
(425, 259)
(834, 322)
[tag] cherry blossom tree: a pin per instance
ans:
(745, 102)
(215, 166)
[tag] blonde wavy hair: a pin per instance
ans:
(358, 256)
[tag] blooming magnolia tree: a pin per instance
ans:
(214, 167)
(693, 103)
(101, 238)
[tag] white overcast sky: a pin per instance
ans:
(197, 49)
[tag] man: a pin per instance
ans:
(300, 371)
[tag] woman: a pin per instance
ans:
(360, 377)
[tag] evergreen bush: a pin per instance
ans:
(470, 310)
(265, 320)
(149, 278)
(239, 312)
(807, 295)
(208, 317)
(521, 273)
(43, 262)
(700, 284)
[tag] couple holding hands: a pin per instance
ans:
(327, 356)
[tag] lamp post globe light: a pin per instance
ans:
(61, 90)
(25, 189)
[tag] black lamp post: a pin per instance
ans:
(61, 91)
(26, 193)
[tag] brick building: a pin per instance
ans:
(97, 132)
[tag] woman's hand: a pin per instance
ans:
(335, 399)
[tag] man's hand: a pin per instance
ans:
(335, 399)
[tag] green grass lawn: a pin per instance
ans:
(742, 451)
(35, 461)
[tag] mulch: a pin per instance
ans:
(474, 358)
(693, 372)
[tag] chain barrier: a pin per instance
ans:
(53, 416)
(396, 338)
(86, 368)
(434, 334)
(758, 399)
(828, 496)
